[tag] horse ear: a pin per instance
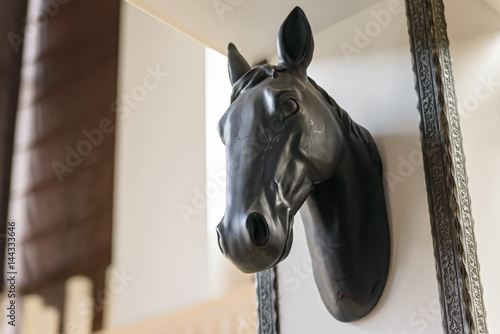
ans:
(237, 65)
(295, 42)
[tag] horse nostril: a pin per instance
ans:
(258, 229)
(219, 241)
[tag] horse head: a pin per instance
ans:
(290, 145)
(281, 139)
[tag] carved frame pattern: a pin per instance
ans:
(444, 164)
(267, 302)
(455, 251)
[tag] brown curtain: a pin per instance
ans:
(66, 125)
(11, 47)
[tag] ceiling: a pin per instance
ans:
(252, 25)
(495, 4)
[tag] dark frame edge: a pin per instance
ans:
(444, 164)
(267, 301)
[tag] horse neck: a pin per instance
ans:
(347, 229)
(342, 197)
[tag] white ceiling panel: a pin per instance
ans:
(252, 25)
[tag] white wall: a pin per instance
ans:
(160, 164)
(372, 79)
(474, 32)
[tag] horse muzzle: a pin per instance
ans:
(254, 244)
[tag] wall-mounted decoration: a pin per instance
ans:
(290, 146)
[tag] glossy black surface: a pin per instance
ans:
(289, 146)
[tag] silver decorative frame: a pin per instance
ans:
(267, 302)
(444, 164)
(455, 251)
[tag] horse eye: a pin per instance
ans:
(290, 107)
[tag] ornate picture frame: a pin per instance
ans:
(454, 243)
(457, 270)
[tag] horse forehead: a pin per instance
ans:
(287, 81)
(260, 100)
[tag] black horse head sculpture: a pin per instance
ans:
(289, 146)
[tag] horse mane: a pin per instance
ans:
(259, 73)
(253, 77)
(352, 127)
